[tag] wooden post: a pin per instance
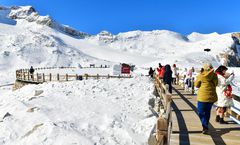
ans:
(192, 86)
(43, 77)
(97, 76)
(24, 76)
(162, 127)
(108, 76)
(76, 77)
(16, 74)
(86, 75)
(119, 76)
(50, 77)
(66, 77)
(37, 78)
(20, 74)
(58, 77)
(28, 75)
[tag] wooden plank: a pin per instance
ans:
(184, 114)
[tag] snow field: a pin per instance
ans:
(101, 112)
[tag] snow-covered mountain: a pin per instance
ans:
(29, 13)
(170, 47)
(26, 38)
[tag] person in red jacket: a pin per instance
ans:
(160, 71)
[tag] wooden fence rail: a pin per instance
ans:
(63, 67)
(234, 111)
(25, 76)
(163, 127)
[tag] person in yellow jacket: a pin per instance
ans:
(207, 82)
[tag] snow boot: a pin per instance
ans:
(205, 131)
(221, 121)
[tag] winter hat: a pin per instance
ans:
(207, 66)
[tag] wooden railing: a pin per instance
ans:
(62, 67)
(234, 112)
(25, 76)
(163, 128)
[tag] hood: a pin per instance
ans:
(208, 74)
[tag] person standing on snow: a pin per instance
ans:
(160, 71)
(167, 77)
(207, 82)
(31, 71)
(224, 92)
(151, 72)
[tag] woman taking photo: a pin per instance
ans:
(224, 92)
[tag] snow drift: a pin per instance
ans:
(108, 111)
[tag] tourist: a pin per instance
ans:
(167, 77)
(224, 92)
(206, 81)
(151, 72)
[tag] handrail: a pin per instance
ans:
(25, 76)
(68, 67)
(42, 77)
(163, 108)
(234, 112)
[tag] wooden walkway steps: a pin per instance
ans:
(187, 129)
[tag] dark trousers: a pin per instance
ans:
(174, 80)
(204, 112)
(170, 87)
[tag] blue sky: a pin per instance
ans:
(183, 16)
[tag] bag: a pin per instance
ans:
(228, 91)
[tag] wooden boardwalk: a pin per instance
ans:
(187, 129)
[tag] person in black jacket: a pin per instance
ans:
(151, 72)
(167, 77)
(31, 71)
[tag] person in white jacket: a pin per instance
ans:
(224, 93)
(174, 75)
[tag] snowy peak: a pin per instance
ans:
(105, 37)
(22, 12)
(133, 35)
(28, 13)
(199, 37)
